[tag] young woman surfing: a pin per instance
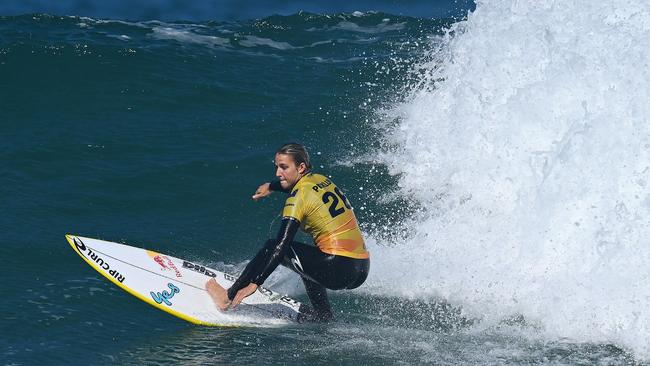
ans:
(339, 259)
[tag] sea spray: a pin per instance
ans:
(527, 142)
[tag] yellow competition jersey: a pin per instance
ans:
(325, 213)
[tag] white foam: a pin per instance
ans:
(121, 37)
(186, 36)
(253, 41)
(114, 21)
(531, 157)
(379, 28)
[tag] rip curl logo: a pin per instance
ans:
(165, 296)
(296, 262)
(81, 247)
(95, 257)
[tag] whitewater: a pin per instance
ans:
(525, 140)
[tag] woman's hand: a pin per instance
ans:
(219, 294)
(262, 191)
(242, 294)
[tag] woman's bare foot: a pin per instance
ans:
(219, 294)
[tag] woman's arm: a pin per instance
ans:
(268, 188)
(264, 263)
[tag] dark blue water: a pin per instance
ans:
(231, 9)
(156, 134)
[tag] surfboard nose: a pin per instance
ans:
(69, 238)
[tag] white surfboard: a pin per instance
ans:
(178, 286)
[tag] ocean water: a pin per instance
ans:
(498, 165)
(171, 10)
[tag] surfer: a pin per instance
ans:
(315, 204)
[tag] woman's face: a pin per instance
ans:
(288, 171)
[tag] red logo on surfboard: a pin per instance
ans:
(159, 260)
(165, 263)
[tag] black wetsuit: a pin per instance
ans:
(318, 270)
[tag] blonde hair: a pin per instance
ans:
(297, 152)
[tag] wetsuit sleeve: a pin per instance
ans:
(267, 259)
(277, 187)
(285, 237)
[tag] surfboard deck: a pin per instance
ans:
(177, 286)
